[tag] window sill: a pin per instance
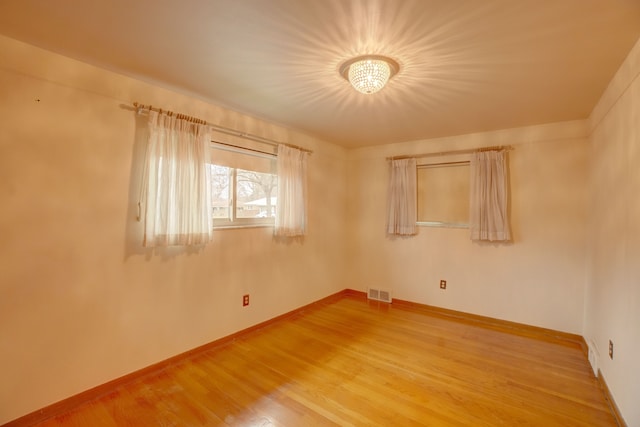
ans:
(236, 226)
(438, 224)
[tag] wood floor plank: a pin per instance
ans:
(354, 363)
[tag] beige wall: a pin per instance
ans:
(538, 279)
(613, 287)
(81, 303)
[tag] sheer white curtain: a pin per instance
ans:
(176, 188)
(489, 198)
(291, 210)
(402, 198)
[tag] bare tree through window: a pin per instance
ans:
(242, 197)
(256, 192)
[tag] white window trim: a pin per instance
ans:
(439, 224)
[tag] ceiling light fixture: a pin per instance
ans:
(368, 74)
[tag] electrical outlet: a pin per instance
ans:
(443, 284)
(610, 349)
(245, 300)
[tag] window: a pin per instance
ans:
(443, 194)
(244, 187)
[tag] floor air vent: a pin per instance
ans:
(379, 295)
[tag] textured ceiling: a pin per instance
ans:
(466, 65)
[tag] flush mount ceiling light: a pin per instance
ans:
(369, 73)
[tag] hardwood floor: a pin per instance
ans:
(355, 363)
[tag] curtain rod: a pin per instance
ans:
(140, 108)
(445, 153)
(431, 165)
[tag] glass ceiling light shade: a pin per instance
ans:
(368, 74)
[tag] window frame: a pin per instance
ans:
(232, 220)
(454, 160)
